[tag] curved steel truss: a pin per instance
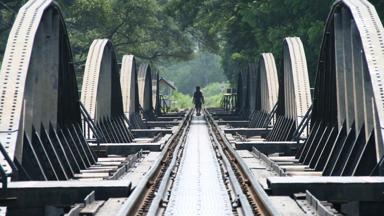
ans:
(101, 94)
(266, 90)
(145, 90)
(130, 91)
(156, 93)
(243, 92)
(129, 87)
(253, 86)
(347, 120)
(294, 99)
(38, 85)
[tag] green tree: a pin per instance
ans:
(202, 70)
(8, 11)
(238, 30)
(135, 27)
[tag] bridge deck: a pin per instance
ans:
(199, 188)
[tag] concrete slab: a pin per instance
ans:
(111, 207)
(330, 188)
(109, 163)
(284, 158)
(91, 208)
(255, 139)
(110, 159)
(304, 173)
(295, 167)
(230, 137)
(245, 154)
(151, 132)
(248, 131)
(261, 175)
(92, 175)
(286, 163)
(253, 163)
(286, 206)
(143, 140)
(97, 167)
(269, 147)
(90, 179)
(3, 210)
(38, 194)
(135, 174)
(162, 124)
(236, 124)
(128, 148)
(96, 171)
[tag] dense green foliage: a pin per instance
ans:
(241, 29)
(179, 36)
(8, 10)
(135, 27)
(212, 94)
(180, 101)
(202, 70)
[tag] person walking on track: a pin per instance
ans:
(198, 100)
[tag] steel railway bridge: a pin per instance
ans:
(275, 147)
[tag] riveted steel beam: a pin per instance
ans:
(129, 85)
(145, 90)
(130, 91)
(294, 98)
(243, 92)
(349, 100)
(266, 90)
(101, 91)
(156, 93)
(38, 84)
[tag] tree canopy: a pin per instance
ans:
(135, 27)
(166, 32)
(202, 70)
(239, 30)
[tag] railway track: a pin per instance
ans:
(139, 201)
(173, 188)
(251, 189)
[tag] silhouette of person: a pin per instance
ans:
(198, 100)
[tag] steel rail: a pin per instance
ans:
(228, 175)
(173, 167)
(255, 193)
(138, 202)
(244, 203)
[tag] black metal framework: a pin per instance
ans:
(5, 175)
(156, 94)
(145, 91)
(243, 92)
(264, 92)
(45, 94)
(55, 154)
(229, 100)
(345, 137)
(294, 99)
